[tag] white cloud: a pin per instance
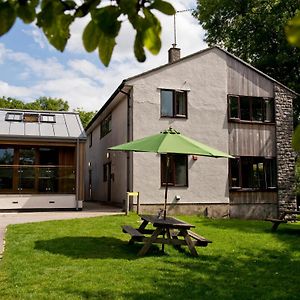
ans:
(83, 83)
(37, 35)
(13, 91)
(74, 44)
(2, 53)
(86, 68)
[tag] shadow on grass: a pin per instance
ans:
(93, 247)
(268, 276)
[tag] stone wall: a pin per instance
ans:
(285, 153)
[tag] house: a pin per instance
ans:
(215, 98)
(41, 160)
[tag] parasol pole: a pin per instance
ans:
(167, 181)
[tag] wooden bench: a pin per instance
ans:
(135, 234)
(200, 240)
(276, 222)
(285, 216)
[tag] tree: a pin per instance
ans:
(254, 30)
(11, 103)
(54, 17)
(42, 103)
(85, 116)
(46, 103)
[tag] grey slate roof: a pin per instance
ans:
(67, 125)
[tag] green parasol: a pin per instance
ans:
(168, 142)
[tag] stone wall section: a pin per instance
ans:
(285, 154)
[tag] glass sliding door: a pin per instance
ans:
(6, 169)
(37, 170)
(48, 171)
(27, 174)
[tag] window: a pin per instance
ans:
(105, 126)
(178, 170)
(37, 170)
(91, 139)
(173, 103)
(251, 109)
(6, 168)
(257, 173)
(14, 117)
(27, 174)
(30, 117)
(106, 172)
(47, 118)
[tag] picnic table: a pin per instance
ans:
(169, 231)
(284, 217)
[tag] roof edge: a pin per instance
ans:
(209, 49)
(110, 99)
(125, 81)
(40, 111)
(255, 69)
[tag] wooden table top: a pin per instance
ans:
(168, 222)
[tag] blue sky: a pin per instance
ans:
(30, 67)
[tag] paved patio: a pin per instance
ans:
(89, 210)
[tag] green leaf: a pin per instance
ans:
(128, 7)
(86, 8)
(91, 37)
(7, 17)
(26, 11)
(292, 30)
(139, 48)
(152, 40)
(106, 19)
(105, 48)
(70, 4)
(163, 6)
(55, 23)
(151, 34)
(296, 139)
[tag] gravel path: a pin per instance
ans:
(89, 210)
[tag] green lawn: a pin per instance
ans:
(91, 259)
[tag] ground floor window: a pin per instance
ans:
(33, 169)
(178, 170)
(257, 173)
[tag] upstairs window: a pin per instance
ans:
(28, 117)
(14, 117)
(47, 118)
(250, 109)
(173, 103)
(178, 170)
(105, 126)
(256, 173)
(91, 139)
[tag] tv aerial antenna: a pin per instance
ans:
(174, 24)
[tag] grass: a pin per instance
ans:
(91, 259)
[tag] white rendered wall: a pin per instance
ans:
(205, 76)
(97, 156)
(38, 201)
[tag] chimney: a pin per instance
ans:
(174, 54)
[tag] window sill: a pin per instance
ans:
(174, 117)
(174, 186)
(238, 189)
(250, 122)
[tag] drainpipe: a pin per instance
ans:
(77, 173)
(128, 137)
